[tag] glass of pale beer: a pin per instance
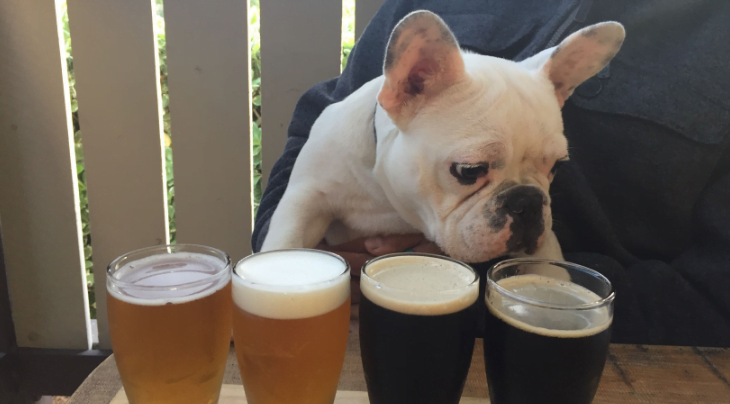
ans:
(169, 311)
(290, 325)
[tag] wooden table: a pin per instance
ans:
(633, 374)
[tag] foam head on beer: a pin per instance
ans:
(548, 336)
(173, 278)
(420, 284)
(547, 319)
(291, 284)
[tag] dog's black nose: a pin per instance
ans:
(524, 205)
(524, 201)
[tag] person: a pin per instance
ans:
(645, 197)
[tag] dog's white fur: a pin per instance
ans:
(437, 106)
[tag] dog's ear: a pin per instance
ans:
(422, 59)
(579, 57)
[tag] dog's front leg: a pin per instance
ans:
(300, 220)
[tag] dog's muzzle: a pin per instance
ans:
(524, 204)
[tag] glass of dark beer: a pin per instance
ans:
(417, 328)
(548, 326)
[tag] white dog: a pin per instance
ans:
(458, 146)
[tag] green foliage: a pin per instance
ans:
(159, 21)
(348, 29)
(80, 172)
(255, 37)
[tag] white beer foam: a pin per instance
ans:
(413, 284)
(290, 284)
(563, 323)
(166, 278)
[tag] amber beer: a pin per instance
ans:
(169, 311)
(290, 325)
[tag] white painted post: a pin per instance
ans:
(208, 64)
(364, 12)
(118, 87)
(301, 45)
(39, 207)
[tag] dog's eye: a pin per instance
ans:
(467, 174)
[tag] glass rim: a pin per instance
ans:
(312, 250)
(364, 274)
(167, 249)
(534, 302)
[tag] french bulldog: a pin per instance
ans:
(458, 146)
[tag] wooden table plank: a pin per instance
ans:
(718, 360)
(637, 373)
(234, 394)
(633, 374)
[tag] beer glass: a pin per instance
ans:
(548, 326)
(417, 328)
(169, 313)
(290, 325)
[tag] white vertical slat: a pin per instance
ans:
(118, 87)
(301, 45)
(364, 12)
(208, 64)
(39, 206)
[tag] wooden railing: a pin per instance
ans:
(117, 85)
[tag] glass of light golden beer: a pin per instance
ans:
(169, 311)
(290, 325)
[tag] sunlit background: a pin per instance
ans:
(348, 41)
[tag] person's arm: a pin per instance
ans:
(364, 64)
(685, 301)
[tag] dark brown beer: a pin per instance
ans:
(417, 329)
(540, 355)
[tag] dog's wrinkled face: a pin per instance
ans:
(477, 140)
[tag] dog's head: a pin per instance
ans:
(474, 141)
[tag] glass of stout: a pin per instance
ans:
(548, 327)
(417, 328)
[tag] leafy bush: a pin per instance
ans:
(79, 151)
(348, 40)
(348, 29)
